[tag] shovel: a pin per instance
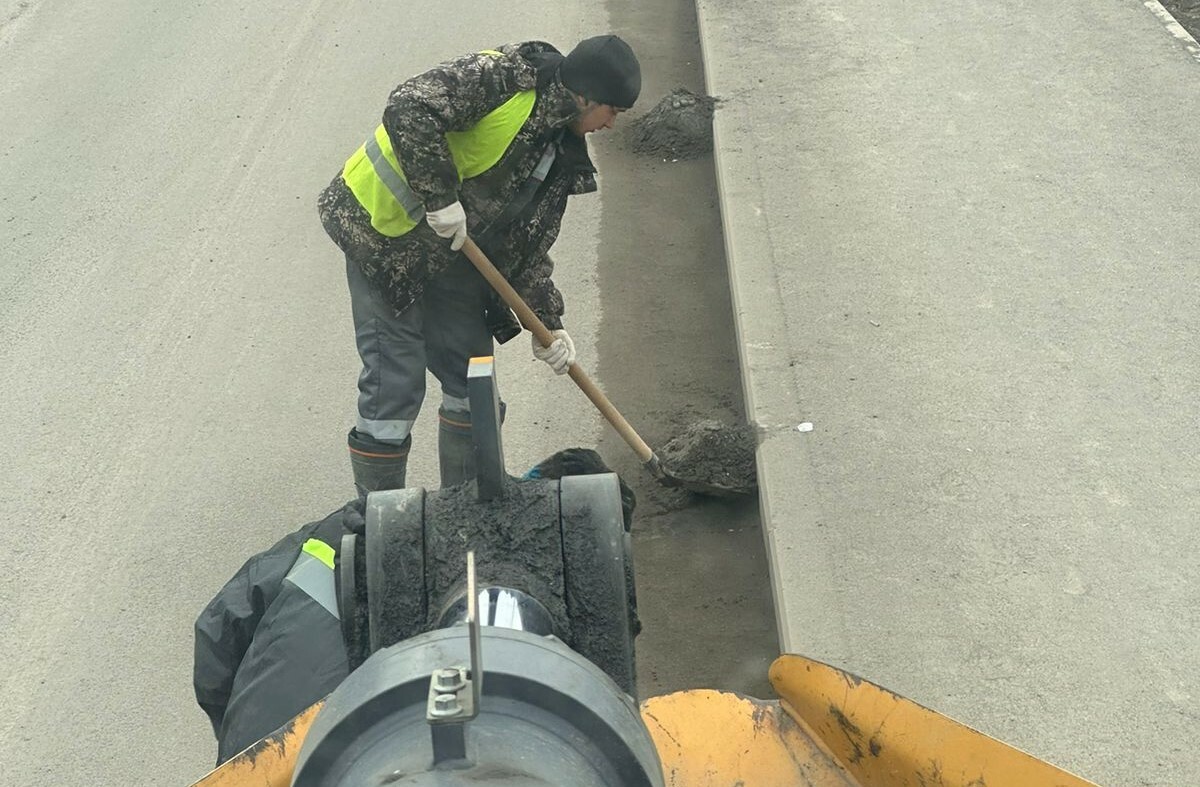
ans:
(725, 485)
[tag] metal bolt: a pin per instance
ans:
(448, 680)
(446, 705)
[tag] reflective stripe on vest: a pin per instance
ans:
(407, 198)
(313, 573)
(377, 180)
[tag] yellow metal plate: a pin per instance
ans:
(268, 763)
(886, 740)
(717, 739)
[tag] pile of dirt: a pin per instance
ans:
(714, 457)
(679, 127)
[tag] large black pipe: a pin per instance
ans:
(547, 716)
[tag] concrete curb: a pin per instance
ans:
(772, 393)
(1174, 27)
(802, 578)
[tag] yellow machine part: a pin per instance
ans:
(885, 740)
(828, 729)
(710, 738)
(268, 763)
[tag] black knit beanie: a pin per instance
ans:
(605, 70)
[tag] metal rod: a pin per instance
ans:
(473, 623)
(485, 428)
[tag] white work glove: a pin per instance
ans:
(560, 354)
(449, 222)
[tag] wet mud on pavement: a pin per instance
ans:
(668, 359)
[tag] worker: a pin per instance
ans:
(270, 643)
(490, 144)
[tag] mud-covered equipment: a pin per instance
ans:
(561, 541)
(528, 679)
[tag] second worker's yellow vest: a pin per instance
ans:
(377, 180)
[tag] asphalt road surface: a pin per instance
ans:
(180, 370)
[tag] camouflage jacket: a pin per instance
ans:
(452, 97)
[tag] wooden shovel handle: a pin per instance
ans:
(543, 335)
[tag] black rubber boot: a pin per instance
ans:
(456, 446)
(456, 449)
(377, 466)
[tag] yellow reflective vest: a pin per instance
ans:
(376, 179)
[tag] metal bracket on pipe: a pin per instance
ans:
(485, 428)
(451, 704)
(454, 692)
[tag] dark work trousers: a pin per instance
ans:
(441, 332)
